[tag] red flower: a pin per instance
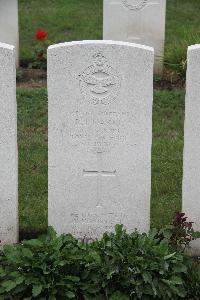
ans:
(41, 35)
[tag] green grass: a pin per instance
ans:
(66, 20)
(182, 30)
(182, 19)
(166, 157)
(167, 153)
(32, 140)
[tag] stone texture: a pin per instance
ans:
(100, 132)
(137, 21)
(8, 147)
(9, 32)
(191, 177)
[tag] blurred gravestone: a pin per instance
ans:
(191, 177)
(137, 21)
(9, 32)
(8, 147)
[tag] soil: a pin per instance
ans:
(32, 78)
(166, 84)
(36, 78)
(27, 235)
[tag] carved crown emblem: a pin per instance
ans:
(99, 83)
(135, 4)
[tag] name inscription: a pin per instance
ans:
(97, 131)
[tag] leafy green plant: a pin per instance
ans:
(176, 55)
(120, 266)
(41, 267)
(140, 266)
(180, 233)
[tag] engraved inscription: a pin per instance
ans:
(96, 218)
(6, 234)
(135, 4)
(97, 131)
(91, 224)
(99, 83)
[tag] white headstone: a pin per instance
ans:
(100, 132)
(8, 147)
(9, 32)
(137, 21)
(191, 177)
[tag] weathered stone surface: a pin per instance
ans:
(8, 147)
(100, 132)
(137, 21)
(9, 31)
(191, 174)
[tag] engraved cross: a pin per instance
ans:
(99, 173)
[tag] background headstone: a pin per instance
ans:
(100, 133)
(8, 147)
(137, 21)
(9, 32)
(191, 174)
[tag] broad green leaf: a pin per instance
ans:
(27, 253)
(152, 233)
(19, 279)
(97, 297)
(167, 233)
(169, 256)
(2, 272)
(73, 278)
(147, 277)
(176, 280)
(181, 292)
(52, 297)
(70, 295)
(119, 296)
(33, 243)
(95, 257)
(180, 268)
(8, 285)
(36, 290)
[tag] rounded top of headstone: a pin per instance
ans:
(6, 46)
(100, 42)
(194, 47)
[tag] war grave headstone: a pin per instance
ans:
(9, 31)
(191, 167)
(8, 147)
(100, 133)
(137, 21)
